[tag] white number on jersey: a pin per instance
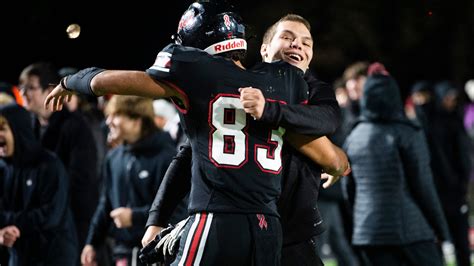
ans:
(229, 137)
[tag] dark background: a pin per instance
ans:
(415, 39)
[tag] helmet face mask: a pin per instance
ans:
(211, 26)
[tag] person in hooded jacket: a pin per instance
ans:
(398, 218)
(452, 166)
(35, 220)
(437, 110)
(132, 173)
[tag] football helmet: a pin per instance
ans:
(212, 26)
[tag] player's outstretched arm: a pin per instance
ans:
(98, 82)
(322, 151)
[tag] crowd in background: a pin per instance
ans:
(91, 170)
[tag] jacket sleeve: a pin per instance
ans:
(320, 117)
(415, 157)
(52, 191)
(175, 186)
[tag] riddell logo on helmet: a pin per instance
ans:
(219, 48)
(227, 45)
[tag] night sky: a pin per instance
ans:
(415, 39)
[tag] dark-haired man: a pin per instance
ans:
(69, 136)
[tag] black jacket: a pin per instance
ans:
(391, 187)
(70, 137)
(451, 146)
(34, 197)
(132, 175)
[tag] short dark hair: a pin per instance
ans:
(46, 72)
(268, 36)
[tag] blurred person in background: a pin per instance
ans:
(398, 218)
(132, 174)
(347, 117)
(89, 108)
(355, 76)
(6, 98)
(35, 218)
(348, 90)
(452, 166)
(11, 90)
(70, 137)
(332, 205)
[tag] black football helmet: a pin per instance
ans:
(212, 26)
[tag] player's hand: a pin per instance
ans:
(330, 179)
(88, 256)
(56, 98)
(333, 179)
(8, 235)
(150, 234)
(253, 101)
(122, 217)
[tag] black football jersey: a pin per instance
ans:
(236, 160)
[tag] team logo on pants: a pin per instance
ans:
(262, 223)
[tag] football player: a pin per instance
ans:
(237, 165)
(288, 39)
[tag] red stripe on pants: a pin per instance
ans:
(196, 239)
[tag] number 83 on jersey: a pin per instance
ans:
(229, 146)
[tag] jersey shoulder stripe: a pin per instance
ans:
(162, 62)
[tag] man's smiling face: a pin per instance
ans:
(292, 42)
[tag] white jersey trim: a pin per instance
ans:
(162, 62)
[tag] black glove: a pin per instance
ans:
(149, 254)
